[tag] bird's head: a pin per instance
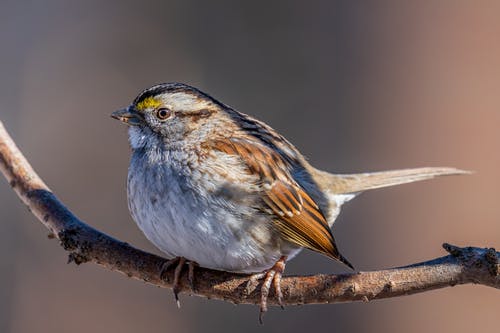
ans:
(167, 113)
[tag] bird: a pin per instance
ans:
(213, 187)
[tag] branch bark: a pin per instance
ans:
(86, 244)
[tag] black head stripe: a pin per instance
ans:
(172, 87)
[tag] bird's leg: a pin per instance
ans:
(191, 266)
(271, 276)
(166, 266)
(178, 263)
(176, 285)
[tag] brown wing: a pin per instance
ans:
(298, 217)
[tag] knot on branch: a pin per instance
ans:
(493, 261)
(476, 258)
(71, 241)
(77, 258)
(68, 239)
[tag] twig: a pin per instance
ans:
(86, 244)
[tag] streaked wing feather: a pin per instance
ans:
(298, 217)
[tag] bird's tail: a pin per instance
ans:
(355, 183)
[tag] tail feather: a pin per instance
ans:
(354, 183)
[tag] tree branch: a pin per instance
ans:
(86, 244)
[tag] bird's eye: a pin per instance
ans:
(163, 113)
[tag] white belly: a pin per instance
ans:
(181, 220)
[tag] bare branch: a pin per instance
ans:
(86, 244)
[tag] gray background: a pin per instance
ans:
(357, 86)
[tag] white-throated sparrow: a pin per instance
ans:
(214, 186)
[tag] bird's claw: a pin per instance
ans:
(178, 263)
(271, 277)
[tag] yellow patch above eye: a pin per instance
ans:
(147, 103)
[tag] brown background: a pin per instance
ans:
(357, 86)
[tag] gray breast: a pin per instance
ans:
(198, 217)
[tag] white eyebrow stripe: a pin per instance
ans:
(181, 101)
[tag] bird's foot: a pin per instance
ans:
(178, 265)
(271, 276)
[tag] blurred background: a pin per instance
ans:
(356, 86)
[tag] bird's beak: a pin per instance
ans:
(127, 116)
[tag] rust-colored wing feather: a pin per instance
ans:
(298, 217)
